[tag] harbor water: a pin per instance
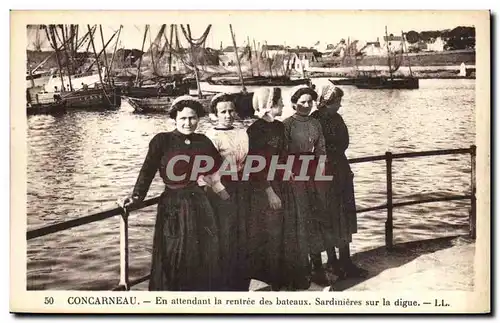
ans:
(83, 162)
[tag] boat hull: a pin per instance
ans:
(55, 108)
(387, 83)
(152, 92)
(379, 82)
(243, 103)
(234, 85)
(95, 99)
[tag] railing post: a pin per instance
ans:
(388, 223)
(124, 264)
(472, 216)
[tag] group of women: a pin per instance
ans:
(216, 233)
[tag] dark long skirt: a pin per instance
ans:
(231, 216)
(341, 206)
(185, 246)
(311, 221)
(274, 253)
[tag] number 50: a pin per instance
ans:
(49, 300)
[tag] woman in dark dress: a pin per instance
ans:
(340, 201)
(304, 137)
(186, 247)
(270, 199)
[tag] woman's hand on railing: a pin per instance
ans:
(128, 201)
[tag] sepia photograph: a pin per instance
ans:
(238, 154)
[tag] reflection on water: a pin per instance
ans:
(80, 163)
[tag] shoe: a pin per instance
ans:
(335, 270)
(302, 284)
(319, 277)
(353, 271)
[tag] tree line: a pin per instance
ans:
(457, 38)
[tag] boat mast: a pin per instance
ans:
(170, 48)
(269, 59)
(257, 57)
(114, 50)
(250, 54)
(105, 56)
(50, 56)
(195, 66)
(406, 51)
(388, 52)
(142, 54)
(237, 58)
(54, 45)
(96, 57)
(67, 58)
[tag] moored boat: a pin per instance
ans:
(242, 101)
(52, 108)
(259, 81)
(381, 82)
(93, 99)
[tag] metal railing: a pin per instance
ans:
(125, 282)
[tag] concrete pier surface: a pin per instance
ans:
(443, 264)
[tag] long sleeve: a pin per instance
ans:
(212, 177)
(149, 167)
(256, 147)
(319, 146)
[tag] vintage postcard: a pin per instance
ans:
(250, 162)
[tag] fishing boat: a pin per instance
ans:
(382, 82)
(242, 102)
(96, 99)
(82, 91)
(53, 108)
(374, 80)
(281, 80)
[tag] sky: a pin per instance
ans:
(292, 29)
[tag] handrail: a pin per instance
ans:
(125, 284)
(412, 154)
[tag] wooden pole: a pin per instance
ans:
(102, 50)
(250, 54)
(97, 59)
(269, 60)
(142, 54)
(389, 223)
(105, 55)
(257, 58)
(193, 61)
(243, 89)
(170, 49)
(406, 51)
(51, 29)
(124, 252)
(68, 67)
(472, 218)
(114, 50)
(388, 52)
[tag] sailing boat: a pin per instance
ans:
(258, 80)
(73, 94)
(158, 85)
(367, 80)
(161, 103)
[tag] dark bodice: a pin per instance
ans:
(173, 154)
